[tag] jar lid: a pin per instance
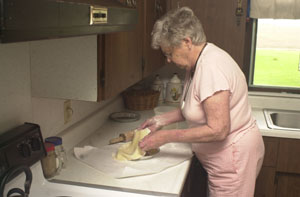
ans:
(157, 80)
(175, 79)
(49, 146)
(54, 140)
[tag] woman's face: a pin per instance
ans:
(178, 55)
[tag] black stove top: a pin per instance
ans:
(19, 149)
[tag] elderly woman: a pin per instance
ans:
(222, 131)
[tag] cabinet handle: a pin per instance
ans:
(102, 78)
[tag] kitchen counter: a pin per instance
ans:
(281, 101)
(166, 183)
(265, 131)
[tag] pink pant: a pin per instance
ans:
(233, 171)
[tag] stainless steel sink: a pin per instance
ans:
(283, 119)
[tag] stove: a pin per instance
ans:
(21, 146)
(19, 149)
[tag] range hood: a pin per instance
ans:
(27, 20)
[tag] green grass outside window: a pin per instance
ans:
(277, 68)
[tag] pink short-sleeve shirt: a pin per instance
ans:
(217, 71)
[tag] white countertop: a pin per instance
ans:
(166, 183)
(277, 101)
(262, 124)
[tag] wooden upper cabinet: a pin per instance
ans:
(152, 59)
(124, 58)
(119, 60)
(97, 67)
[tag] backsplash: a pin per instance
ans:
(17, 104)
(15, 99)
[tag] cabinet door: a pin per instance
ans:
(288, 156)
(271, 151)
(122, 66)
(288, 185)
(153, 59)
(119, 60)
(265, 183)
(196, 181)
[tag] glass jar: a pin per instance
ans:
(49, 162)
(59, 150)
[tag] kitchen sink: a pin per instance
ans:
(283, 119)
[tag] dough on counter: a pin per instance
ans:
(131, 150)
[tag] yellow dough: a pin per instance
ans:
(131, 150)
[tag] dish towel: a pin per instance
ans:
(102, 159)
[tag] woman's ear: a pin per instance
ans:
(187, 42)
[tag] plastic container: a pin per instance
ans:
(59, 150)
(49, 162)
(163, 109)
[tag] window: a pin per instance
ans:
(275, 58)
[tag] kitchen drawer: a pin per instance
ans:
(289, 156)
(271, 151)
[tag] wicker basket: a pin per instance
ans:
(140, 99)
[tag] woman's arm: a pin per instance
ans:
(217, 127)
(159, 121)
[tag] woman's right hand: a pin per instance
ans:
(153, 124)
(157, 122)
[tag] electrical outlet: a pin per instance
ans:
(68, 111)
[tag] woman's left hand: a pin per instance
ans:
(153, 140)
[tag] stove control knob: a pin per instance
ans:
(35, 144)
(25, 150)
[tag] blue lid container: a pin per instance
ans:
(54, 140)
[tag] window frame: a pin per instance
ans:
(250, 76)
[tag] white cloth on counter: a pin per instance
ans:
(101, 159)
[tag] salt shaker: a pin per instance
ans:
(174, 89)
(59, 150)
(158, 86)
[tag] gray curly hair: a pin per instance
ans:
(176, 25)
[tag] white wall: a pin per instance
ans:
(16, 104)
(65, 68)
(15, 98)
(48, 113)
